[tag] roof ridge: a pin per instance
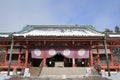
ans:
(28, 28)
(59, 25)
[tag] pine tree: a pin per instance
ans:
(117, 29)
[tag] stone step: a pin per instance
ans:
(34, 71)
(93, 71)
(63, 71)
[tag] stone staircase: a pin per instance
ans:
(46, 71)
(65, 73)
(93, 71)
(68, 71)
(34, 71)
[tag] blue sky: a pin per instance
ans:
(102, 14)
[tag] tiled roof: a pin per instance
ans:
(114, 35)
(58, 30)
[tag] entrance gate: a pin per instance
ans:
(59, 61)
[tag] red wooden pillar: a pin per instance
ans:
(119, 69)
(98, 55)
(26, 58)
(73, 62)
(44, 62)
(91, 58)
(111, 57)
(19, 57)
(5, 61)
(44, 59)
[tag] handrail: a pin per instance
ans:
(40, 67)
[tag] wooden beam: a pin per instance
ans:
(6, 45)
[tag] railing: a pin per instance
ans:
(40, 67)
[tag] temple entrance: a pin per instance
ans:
(36, 62)
(82, 62)
(59, 58)
(52, 62)
(59, 61)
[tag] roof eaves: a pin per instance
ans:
(114, 35)
(26, 29)
(92, 28)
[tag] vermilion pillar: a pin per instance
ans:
(111, 55)
(26, 58)
(5, 61)
(19, 57)
(98, 55)
(91, 58)
(44, 60)
(73, 62)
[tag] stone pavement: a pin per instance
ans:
(56, 78)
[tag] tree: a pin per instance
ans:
(117, 29)
(108, 31)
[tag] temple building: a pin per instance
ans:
(59, 46)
